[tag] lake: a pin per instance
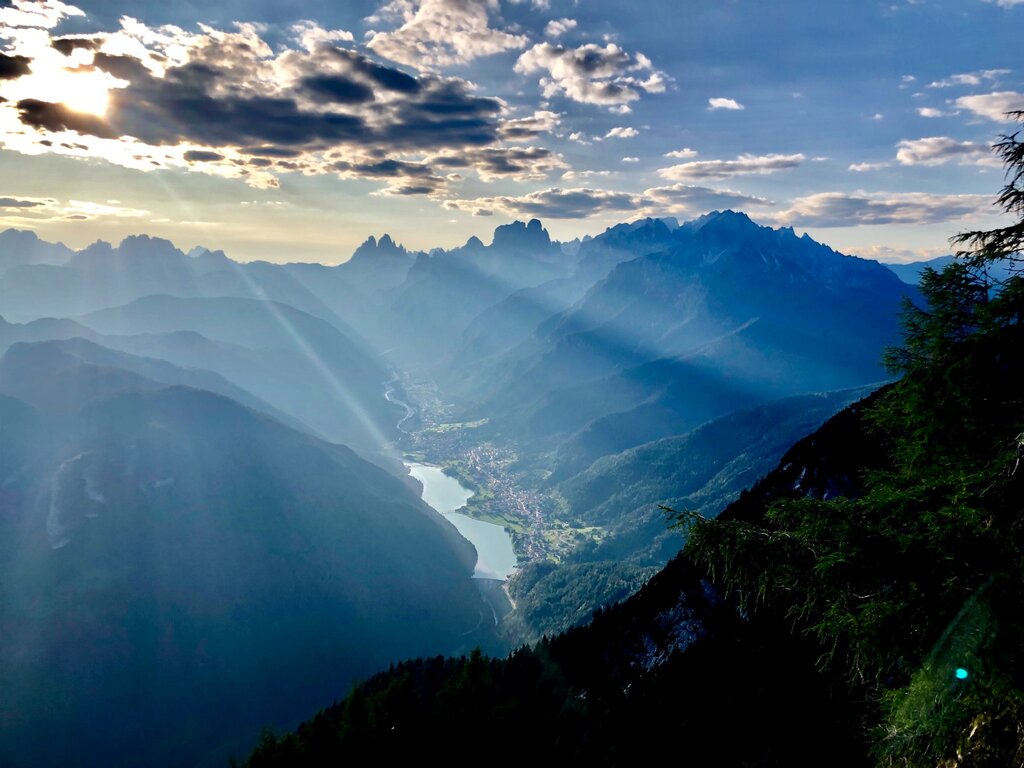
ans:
(495, 557)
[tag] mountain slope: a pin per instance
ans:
(304, 366)
(162, 541)
(47, 375)
(733, 314)
(24, 247)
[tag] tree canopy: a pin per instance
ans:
(913, 585)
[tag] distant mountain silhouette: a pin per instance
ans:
(103, 275)
(19, 247)
(301, 364)
(910, 272)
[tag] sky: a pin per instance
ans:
(290, 131)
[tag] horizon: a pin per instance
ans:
(487, 241)
(282, 137)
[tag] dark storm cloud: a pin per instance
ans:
(271, 152)
(207, 101)
(12, 67)
(57, 117)
(337, 89)
(405, 178)
(514, 162)
(17, 202)
(67, 45)
(202, 156)
(384, 77)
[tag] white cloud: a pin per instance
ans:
(721, 103)
(631, 159)
(27, 211)
(939, 150)
(573, 175)
(864, 167)
(682, 154)
(228, 104)
(38, 15)
(438, 33)
(723, 169)
(993, 106)
(592, 74)
(622, 132)
(684, 198)
(528, 128)
(930, 112)
(969, 78)
(850, 209)
(554, 203)
(310, 34)
(558, 27)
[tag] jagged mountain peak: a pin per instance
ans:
(518, 235)
(376, 248)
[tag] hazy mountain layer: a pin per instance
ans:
(177, 570)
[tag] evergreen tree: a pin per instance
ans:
(913, 585)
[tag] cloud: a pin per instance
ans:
(631, 159)
(864, 167)
(202, 156)
(993, 106)
(558, 27)
(591, 74)
(554, 203)
(573, 175)
(720, 103)
(939, 150)
(724, 169)
(850, 209)
(684, 198)
(226, 103)
(439, 33)
(36, 210)
(529, 128)
(682, 154)
(930, 112)
(311, 35)
(37, 15)
(894, 255)
(8, 203)
(969, 78)
(584, 202)
(490, 163)
(1006, 3)
(12, 67)
(621, 132)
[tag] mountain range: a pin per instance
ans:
(200, 484)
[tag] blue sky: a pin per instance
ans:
(258, 128)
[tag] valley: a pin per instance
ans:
(455, 449)
(505, 493)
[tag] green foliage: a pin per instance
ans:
(552, 598)
(922, 568)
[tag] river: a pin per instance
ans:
(495, 557)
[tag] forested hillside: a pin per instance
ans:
(860, 605)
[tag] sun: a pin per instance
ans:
(78, 91)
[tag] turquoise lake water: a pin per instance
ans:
(495, 557)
